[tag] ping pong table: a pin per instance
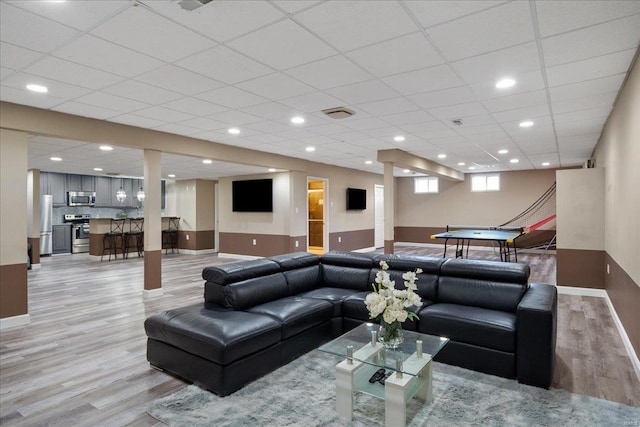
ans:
(505, 237)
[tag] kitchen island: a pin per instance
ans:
(98, 227)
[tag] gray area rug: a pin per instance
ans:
(303, 394)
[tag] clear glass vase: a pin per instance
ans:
(390, 334)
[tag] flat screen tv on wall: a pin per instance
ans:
(254, 195)
(356, 199)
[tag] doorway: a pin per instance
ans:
(379, 217)
(316, 229)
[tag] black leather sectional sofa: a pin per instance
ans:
(259, 315)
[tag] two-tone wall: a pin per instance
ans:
(618, 154)
(195, 205)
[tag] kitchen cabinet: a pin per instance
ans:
(54, 184)
(61, 238)
(103, 191)
(80, 182)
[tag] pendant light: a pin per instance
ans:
(140, 195)
(121, 195)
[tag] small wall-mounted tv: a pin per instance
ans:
(254, 195)
(356, 199)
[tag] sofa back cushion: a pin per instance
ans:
(427, 281)
(485, 284)
(251, 292)
(347, 270)
(224, 274)
(301, 271)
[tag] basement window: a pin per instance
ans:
(485, 182)
(425, 184)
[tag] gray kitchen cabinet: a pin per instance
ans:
(103, 191)
(61, 238)
(54, 184)
(80, 183)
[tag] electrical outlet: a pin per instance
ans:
(340, 239)
(608, 272)
(186, 236)
(254, 242)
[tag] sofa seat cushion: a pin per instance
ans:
(219, 335)
(334, 295)
(296, 314)
(471, 325)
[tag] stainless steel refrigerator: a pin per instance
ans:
(46, 228)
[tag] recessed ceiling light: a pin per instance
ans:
(233, 131)
(106, 147)
(398, 138)
(97, 169)
(272, 170)
(505, 83)
(472, 168)
(545, 163)
(37, 88)
(297, 120)
(207, 161)
(461, 163)
(526, 124)
(368, 162)
(514, 161)
(503, 151)
(171, 175)
(56, 159)
(310, 149)
(406, 171)
(442, 156)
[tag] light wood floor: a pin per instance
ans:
(81, 361)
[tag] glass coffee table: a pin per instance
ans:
(395, 375)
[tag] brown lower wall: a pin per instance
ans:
(13, 290)
(266, 244)
(302, 243)
(152, 270)
(35, 249)
(624, 294)
(198, 240)
(352, 240)
(423, 235)
(580, 268)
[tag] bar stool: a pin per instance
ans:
(170, 235)
(136, 226)
(110, 240)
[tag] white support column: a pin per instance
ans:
(152, 224)
(389, 202)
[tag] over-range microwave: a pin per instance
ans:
(81, 198)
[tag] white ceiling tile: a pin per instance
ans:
(236, 118)
(134, 120)
(142, 92)
(204, 123)
(178, 129)
(406, 53)
(16, 57)
(163, 114)
(112, 102)
(592, 41)
(282, 45)
(458, 111)
(587, 114)
(559, 16)
(97, 53)
(442, 98)
(144, 31)
(579, 139)
(5, 72)
(486, 31)
(269, 127)
(271, 111)
(526, 82)
(363, 92)
(588, 69)
(407, 118)
(490, 132)
(474, 120)
(577, 127)
(56, 89)
(275, 86)
(365, 123)
(340, 126)
(225, 65)
(512, 102)
(527, 113)
(232, 97)
(87, 110)
(179, 80)
(587, 88)
(20, 96)
(221, 20)
(72, 73)
(425, 80)
(436, 12)
(602, 100)
(311, 102)
(294, 6)
(194, 107)
(494, 66)
(330, 72)
(388, 106)
(347, 25)
(43, 35)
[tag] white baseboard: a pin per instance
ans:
(36, 266)
(197, 252)
(371, 249)
(237, 256)
(152, 293)
(14, 321)
(601, 293)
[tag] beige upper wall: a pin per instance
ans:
(456, 204)
(618, 152)
(194, 203)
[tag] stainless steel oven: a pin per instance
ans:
(79, 232)
(81, 198)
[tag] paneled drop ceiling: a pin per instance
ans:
(406, 68)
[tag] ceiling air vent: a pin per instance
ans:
(192, 4)
(457, 122)
(338, 113)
